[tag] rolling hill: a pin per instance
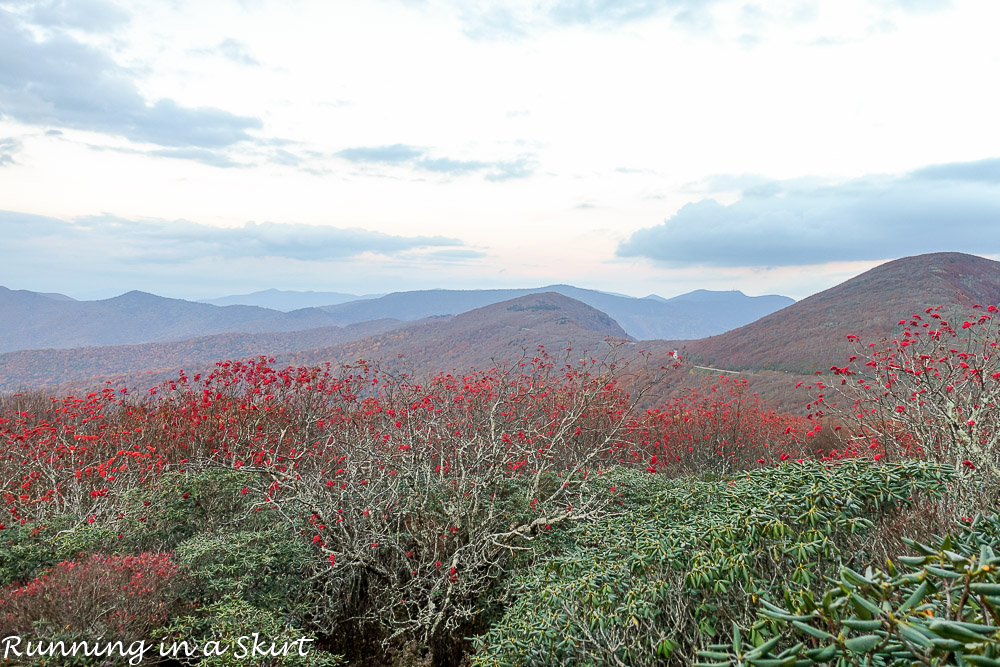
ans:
(497, 333)
(65, 367)
(811, 334)
(804, 337)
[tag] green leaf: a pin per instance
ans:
(947, 574)
(859, 624)
(785, 617)
(985, 589)
(916, 597)
(864, 606)
(981, 660)
(716, 655)
(863, 644)
(910, 634)
(946, 644)
(855, 578)
(763, 649)
(913, 560)
(976, 627)
(812, 631)
(952, 630)
(824, 654)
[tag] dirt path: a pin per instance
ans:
(716, 370)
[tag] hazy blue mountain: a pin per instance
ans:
(694, 315)
(32, 320)
(54, 295)
(286, 300)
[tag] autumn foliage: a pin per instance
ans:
(932, 391)
(398, 506)
(121, 596)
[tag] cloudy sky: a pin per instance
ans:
(196, 149)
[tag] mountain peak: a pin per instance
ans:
(136, 295)
(548, 306)
(811, 334)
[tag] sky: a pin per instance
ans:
(195, 149)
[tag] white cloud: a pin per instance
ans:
(504, 117)
(952, 206)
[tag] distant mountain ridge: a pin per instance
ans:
(63, 367)
(287, 300)
(693, 315)
(37, 321)
(32, 320)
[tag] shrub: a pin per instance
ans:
(26, 550)
(267, 568)
(157, 517)
(661, 581)
(223, 635)
(121, 598)
(418, 495)
(176, 506)
(720, 426)
(415, 495)
(940, 605)
(933, 392)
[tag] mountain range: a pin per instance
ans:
(692, 315)
(32, 320)
(286, 300)
(53, 367)
(36, 321)
(805, 336)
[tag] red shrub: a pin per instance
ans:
(720, 425)
(123, 597)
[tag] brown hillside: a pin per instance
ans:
(483, 337)
(146, 363)
(811, 334)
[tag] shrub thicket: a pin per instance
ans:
(534, 512)
(692, 558)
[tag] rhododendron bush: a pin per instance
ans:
(658, 583)
(938, 606)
